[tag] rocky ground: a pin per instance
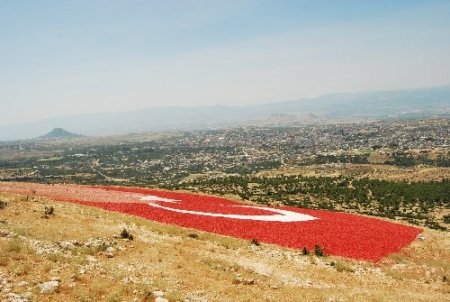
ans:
(56, 251)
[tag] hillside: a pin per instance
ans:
(413, 103)
(59, 133)
(77, 254)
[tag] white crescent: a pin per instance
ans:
(280, 216)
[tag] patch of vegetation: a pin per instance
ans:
(434, 225)
(48, 211)
(3, 204)
(412, 202)
(319, 251)
(338, 159)
(403, 159)
(126, 235)
(193, 235)
(446, 219)
(255, 242)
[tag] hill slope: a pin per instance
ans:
(59, 133)
(81, 250)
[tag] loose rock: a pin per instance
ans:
(49, 287)
(158, 293)
(110, 252)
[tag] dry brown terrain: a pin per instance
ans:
(80, 249)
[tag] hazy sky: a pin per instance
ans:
(70, 57)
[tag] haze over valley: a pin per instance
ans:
(343, 107)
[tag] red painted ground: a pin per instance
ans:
(340, 234)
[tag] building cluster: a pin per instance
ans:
(228, 151)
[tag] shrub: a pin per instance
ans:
(305, 251)
(48, 211)
(3, 204)
(318, 251)
(255, 242)
(126, 235)
(434, 225)
(447, 219)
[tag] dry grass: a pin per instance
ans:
(212, 267)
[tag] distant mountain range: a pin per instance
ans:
(413, 103)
